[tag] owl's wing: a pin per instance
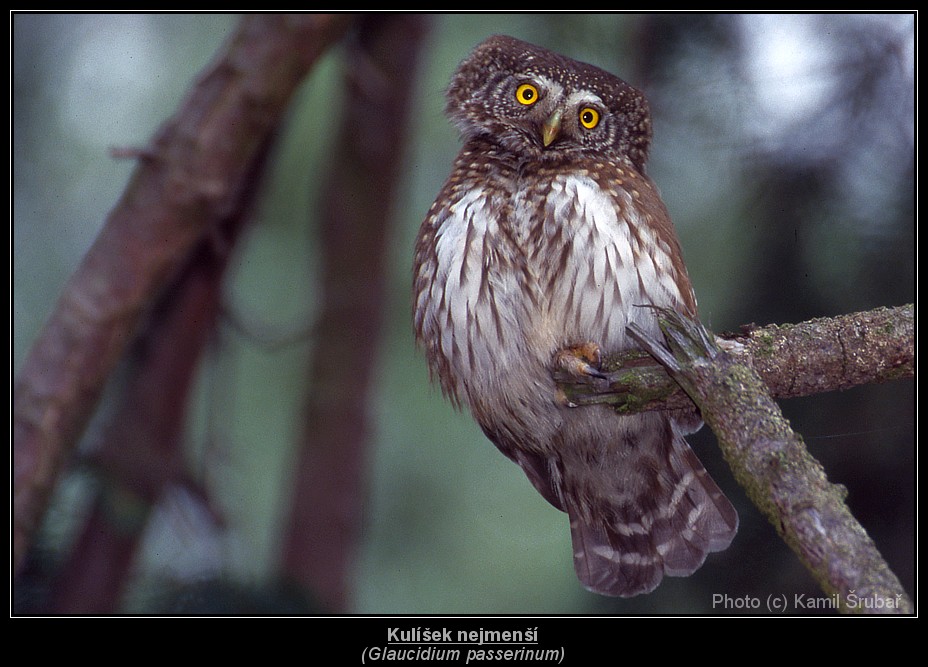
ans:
(536, 467)
(631, 554)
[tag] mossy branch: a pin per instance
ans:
(816, 356)
(773, 465)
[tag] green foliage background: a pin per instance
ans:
(790, 176)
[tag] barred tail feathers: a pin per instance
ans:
(625, 552)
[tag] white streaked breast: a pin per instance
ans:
(597, 296)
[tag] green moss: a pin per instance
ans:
(765, 344)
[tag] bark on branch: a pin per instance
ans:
(187, 180)
(772, 464)
(793, 360)
(140, 454)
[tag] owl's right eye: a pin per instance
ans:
(527, 94)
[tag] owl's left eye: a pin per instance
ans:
(589, 117)
(527, 94)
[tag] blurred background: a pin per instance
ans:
(784, 149)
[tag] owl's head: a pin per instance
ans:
(542, 105)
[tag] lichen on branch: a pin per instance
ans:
(772, 464)
(820, 355)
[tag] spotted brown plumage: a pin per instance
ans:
(541, 248)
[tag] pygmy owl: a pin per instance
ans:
(543, 245)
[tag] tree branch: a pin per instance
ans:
(324, 526)
(140, 452)
(817, 356)
(772, 464)
(187, 180)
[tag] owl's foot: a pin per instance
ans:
(580, 361)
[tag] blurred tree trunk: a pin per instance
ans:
(195, 176)
(321, 540)
(141, 453)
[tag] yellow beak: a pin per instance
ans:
(551, 128)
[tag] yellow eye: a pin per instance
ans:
(589, 117)
(527, 94)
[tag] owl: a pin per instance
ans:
(545, 243)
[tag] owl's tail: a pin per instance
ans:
(687, 517)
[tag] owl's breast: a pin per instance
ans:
(477, 295)
(598, 259)
(508, 272)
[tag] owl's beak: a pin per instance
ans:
(551, 128)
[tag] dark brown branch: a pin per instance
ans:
(140, 453)
(324, 528)
(772, 464)
(187, 179)
(812, 357)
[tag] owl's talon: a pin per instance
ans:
(581, 361)
(561, 398)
